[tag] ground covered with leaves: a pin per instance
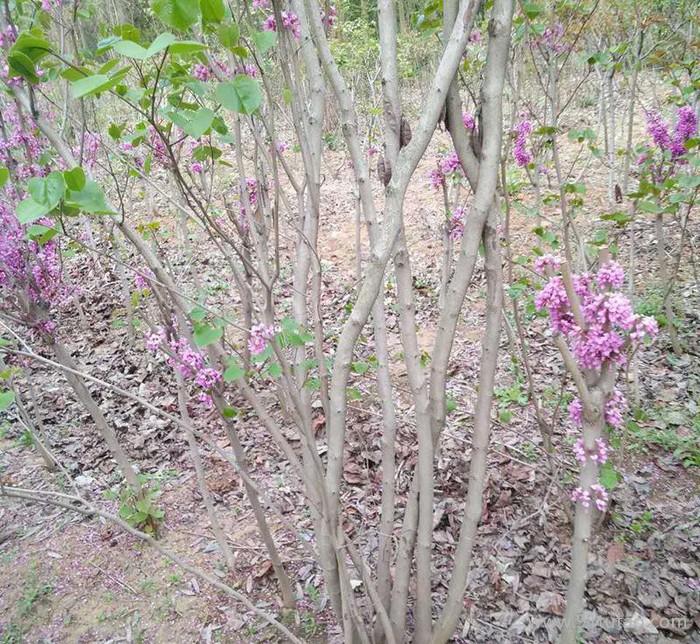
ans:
(65, 578)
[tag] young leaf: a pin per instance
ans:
(213, 11)
(205, 334)
(264, 40)
(178, 14)
(47, 191)
(242, 95)
(200, 122)
(229, 35)
(90, 199)
(74, 179)
(6, 399)
(234, 371)
(19, 64)
(4, 175)
(29, 210)
(92, 85)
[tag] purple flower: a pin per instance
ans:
(658, 130)
(468, 121)
(155, 340)
(207, 378)
(598, 455)
(600, 495)
(545, 262)
(201, 72)
(576, 412)
(520, 154)
(450, 163)
(259, 335)
(611, 275)
(437, 178)
(581, 496)
(455, 223)
(686, 128)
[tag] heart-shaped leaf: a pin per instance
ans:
(242, 95)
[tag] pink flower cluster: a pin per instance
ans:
(596, 494)
(610, 322)
(598, 455)
(659, 130)
(447, 166)
(205, 73)
(455, 223)
(186, 360)
(475, 36)
(160, 152)
(29, 272)
(468, 121)
(21, 143)
(329, 20)
(141, 279)
(520, 153)
(48, 5)
(290, 21)
(90, 150)
(251, 188)
(8, 36)
(259, 335)
(436, 177)
(248, 69)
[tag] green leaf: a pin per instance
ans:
(200, 123)
(41, 234)
(213, 11)
(74, 179)
(204, 152)
(531, 10)
(234, 371)
(206, 334)
(198, 314)
(90, 199)
(274, 370)
(131, 49)
(21, 65)
(242, 95)
(229, 35)
(451, 405)
(359, 367)
(92, 85)
(47, 191)
(649, 206)
(6, 399)
(178, 14)
(620, 218)
(29, 210)
(608, 476)
(264, 40)
(31, 44)
(186, 47)
(4, 176)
